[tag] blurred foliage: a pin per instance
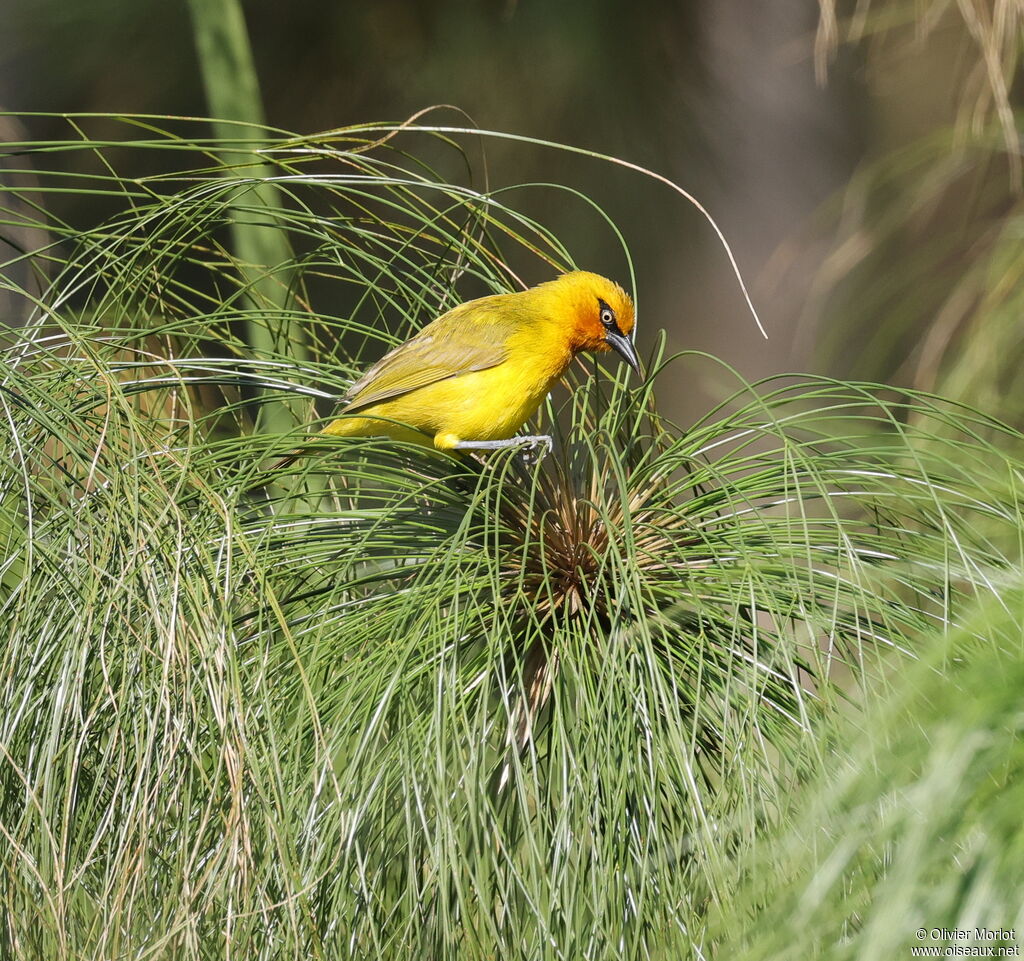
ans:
(260, 248)
(915, 827)
(572, 72)
(945, 205)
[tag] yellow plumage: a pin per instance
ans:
(475, 375)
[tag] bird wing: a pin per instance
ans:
(468, 338)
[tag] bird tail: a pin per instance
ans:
(343, 427)
(288, 459)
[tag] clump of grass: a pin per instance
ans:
(390, 704)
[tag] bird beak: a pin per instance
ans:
(624, 346)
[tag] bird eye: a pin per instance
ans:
(608, 317)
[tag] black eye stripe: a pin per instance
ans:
(607, 316)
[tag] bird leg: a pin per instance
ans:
(530, 441)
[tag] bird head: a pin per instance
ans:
(600, 314)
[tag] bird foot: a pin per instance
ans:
(535, 445)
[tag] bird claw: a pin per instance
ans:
(529, 442)
(535, 448)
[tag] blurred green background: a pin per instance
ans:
(850, 249)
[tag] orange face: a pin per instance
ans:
(602, 314)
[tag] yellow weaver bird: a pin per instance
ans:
(471, 378)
